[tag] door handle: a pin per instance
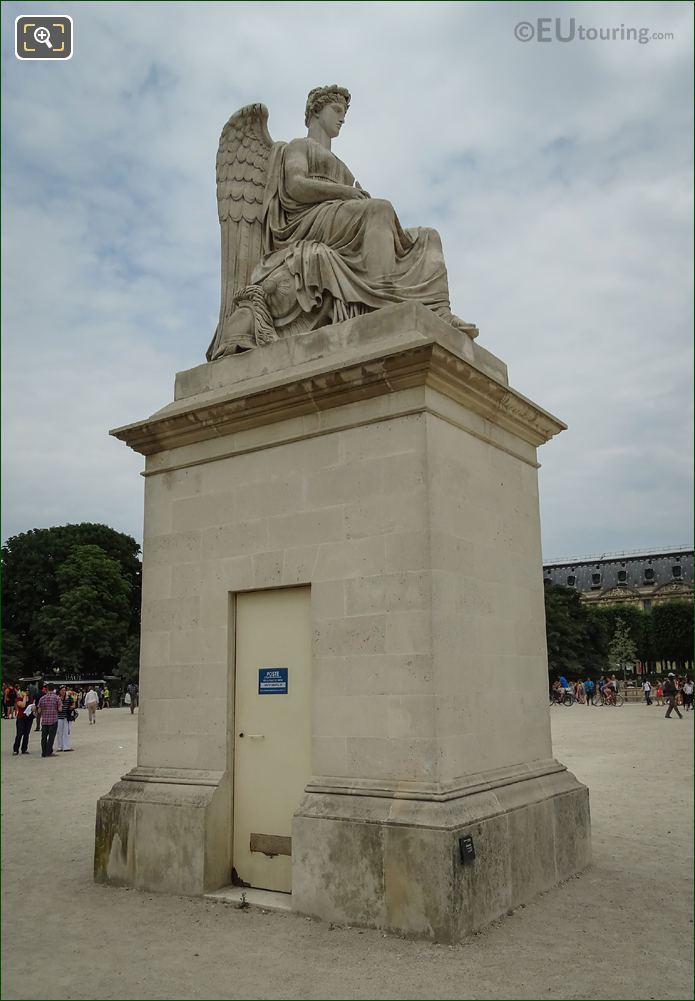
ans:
(253, 736)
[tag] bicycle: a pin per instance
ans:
(567, 699)
(612, 700)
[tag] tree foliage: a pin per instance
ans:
(622, 650)
(34, 581)
(581, 637)
(89, 624)
(673, 631)
(129, 664)
(569, 636)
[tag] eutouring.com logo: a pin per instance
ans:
(557, 29)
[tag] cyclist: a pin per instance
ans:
(602, 682)
(557, 692)
(610, 690)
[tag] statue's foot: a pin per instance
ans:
(238, 334)
(466, 328)
(223, 350)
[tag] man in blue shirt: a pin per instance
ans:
(589, 688)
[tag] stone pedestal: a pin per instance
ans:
(386, 462)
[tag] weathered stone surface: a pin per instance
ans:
(520, 833)
(284, 210)
(395, 473)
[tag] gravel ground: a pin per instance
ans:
(624, 929)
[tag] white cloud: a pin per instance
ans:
(558, 174)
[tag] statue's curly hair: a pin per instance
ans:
(319, 97)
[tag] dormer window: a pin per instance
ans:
(648, 575)
(596, 579)
(571, 580)
(622, 576)
(677, 571)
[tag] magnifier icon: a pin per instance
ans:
(43, 35)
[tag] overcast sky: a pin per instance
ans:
(558, 173)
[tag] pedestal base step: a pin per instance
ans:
(267, 900)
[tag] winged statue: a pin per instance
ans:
(303, 244)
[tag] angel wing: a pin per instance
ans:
(242, 165)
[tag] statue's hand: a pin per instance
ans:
(363, 193)
(352, 194)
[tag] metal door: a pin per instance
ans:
(272, 740)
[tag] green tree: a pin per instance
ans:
(572, 636)
(622, 650)
(129, 664)
(673, 632)
(12, 656)
(88, 627)
(30, 564)
(637, 623)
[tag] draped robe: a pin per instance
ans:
(316, 252)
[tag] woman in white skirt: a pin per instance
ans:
(65, 717)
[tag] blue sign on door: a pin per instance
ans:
(272, 680)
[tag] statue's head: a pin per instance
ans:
(324, 97)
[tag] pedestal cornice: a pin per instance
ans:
(369, 360)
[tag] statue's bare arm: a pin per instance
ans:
(309, 190)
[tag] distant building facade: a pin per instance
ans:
(644, 578)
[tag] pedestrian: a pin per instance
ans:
(647, 689)
(40, 694)
(91, 702)
(66, 715)
(11, 697)
(107, 696)
(579, 692)
(589, 689)
(659, 693)
(49, 705)
(24, 707)
(688, 694)
(130, 697)
(670, 695)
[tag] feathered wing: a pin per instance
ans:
(242, 166)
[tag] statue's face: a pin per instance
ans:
(331, 116)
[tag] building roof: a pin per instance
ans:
(650, 569)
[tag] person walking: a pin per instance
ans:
(91, 702)
(66, 715)
(107, 696)
(130, 697)
(49, 706)
(670, 695)
(647, 689)
(579, 692)
(24, 706)
(688, 694)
